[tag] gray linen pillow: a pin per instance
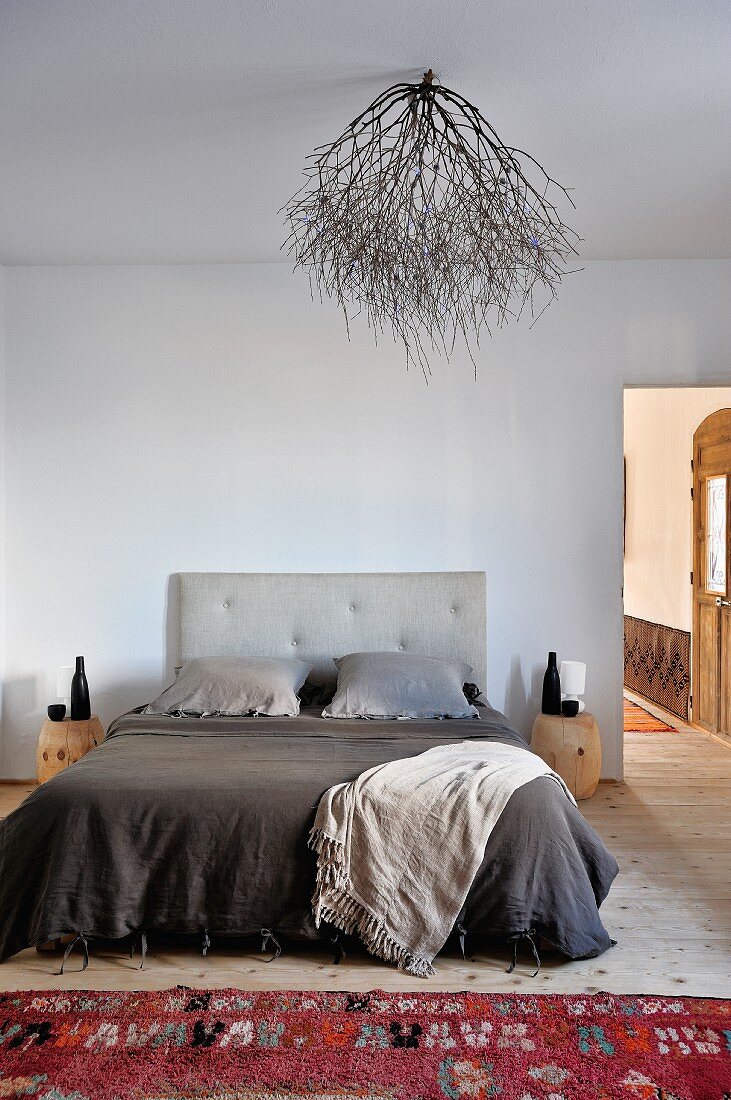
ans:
(399, 685)
(234, 686)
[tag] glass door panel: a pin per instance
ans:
(716, 510)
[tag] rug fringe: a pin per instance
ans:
(345, 913)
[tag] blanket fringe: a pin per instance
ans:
(347, 914)
(331, 864)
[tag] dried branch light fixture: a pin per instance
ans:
(420, 217)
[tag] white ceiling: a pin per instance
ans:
(146, 131)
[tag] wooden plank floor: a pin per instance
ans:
(670, 908)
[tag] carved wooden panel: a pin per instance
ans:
(657, 664)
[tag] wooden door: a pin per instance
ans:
(711, 679)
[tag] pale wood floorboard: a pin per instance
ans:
(668, 825)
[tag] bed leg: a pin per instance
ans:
(339, 949)
(79, 937)
(266, 936)
(528, 934)
(141, 938)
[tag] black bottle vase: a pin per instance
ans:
(551, 699)
(80, 703)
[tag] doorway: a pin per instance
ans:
(711, 638)
(677, 595)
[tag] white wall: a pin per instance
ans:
(194, 418)
(2, 500)
(658, 445)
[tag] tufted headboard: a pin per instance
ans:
(318, 616)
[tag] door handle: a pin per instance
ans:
(722, 603)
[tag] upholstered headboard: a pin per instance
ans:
(318, 616)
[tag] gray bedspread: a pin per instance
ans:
(182, 824)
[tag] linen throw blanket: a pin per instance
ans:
(399, 847)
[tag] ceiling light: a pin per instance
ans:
(420, 217)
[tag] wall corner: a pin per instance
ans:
(2, 504)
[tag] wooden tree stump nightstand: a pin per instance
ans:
(570, 746)
(63, 743)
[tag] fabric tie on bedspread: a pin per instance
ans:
(399, 847)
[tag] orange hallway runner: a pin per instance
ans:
(639, 720)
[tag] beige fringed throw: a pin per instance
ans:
(399, 847)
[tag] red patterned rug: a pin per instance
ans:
(226, 1044)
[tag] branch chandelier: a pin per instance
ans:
(420, 217)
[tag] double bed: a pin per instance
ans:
(200, 825)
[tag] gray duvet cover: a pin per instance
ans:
(183, 824)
